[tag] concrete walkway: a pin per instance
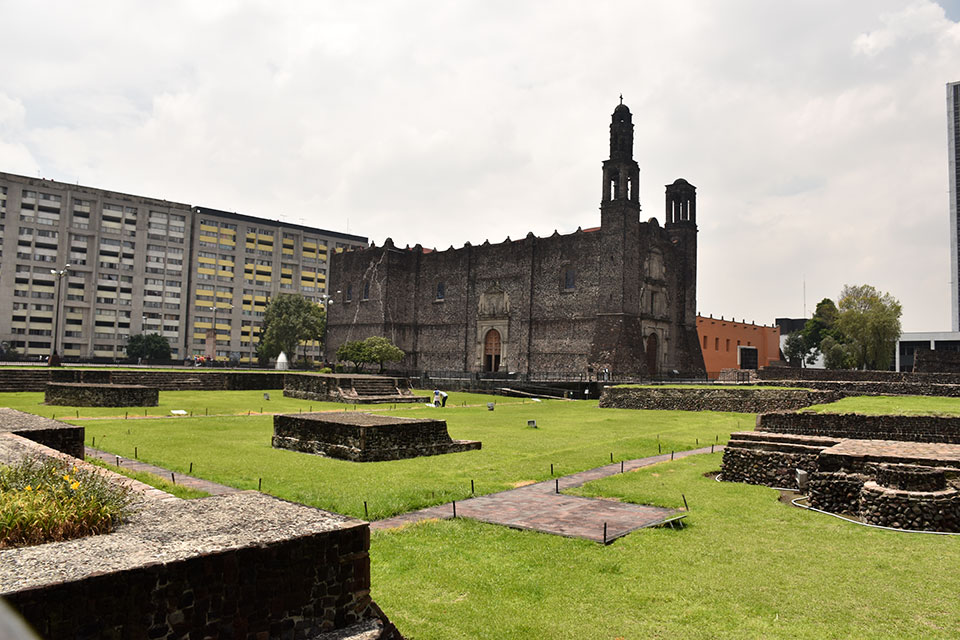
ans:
(540, 507)
(187, 481)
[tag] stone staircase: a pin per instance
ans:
(771, 459)
(24, 379)
(375, 390)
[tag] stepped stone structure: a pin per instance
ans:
(100, 395)
(619, 298)
(244, 565)
(352, 389)
(718, 398)
(365, 437)
(896, 471)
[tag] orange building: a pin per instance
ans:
(727, 344)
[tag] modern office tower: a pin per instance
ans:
(953, 164)
(144, 265)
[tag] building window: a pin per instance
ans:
(728, 344)
(366, 291)
(716, 344)
(569, 279)
(704, 342)
(441, 291)
(349, 294)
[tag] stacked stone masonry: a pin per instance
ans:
(100, 395)
(714, 399)
(245, 566)
(365, 437)
(352, 389)
(909, 479)
(855, 388)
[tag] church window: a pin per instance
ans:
(366, 291)
(441, 291)
(569, 279)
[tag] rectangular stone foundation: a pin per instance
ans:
(365, 437)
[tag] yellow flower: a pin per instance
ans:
(75, 485)
(29, 488)
(66, 477)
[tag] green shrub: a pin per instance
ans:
(45, 500)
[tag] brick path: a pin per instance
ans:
(540, 508)
(182, 479)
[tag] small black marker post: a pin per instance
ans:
(259, 483)
(551, 468)
(621, 466)
(671, 455)
(604, 533)
(191, 467)
(711, 448)
(173, 478)
(118, 460)
(471, 487)
(686, 508)
(557, 481)
(366, 514)
(454, 508)
(135, 454)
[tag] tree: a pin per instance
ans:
(381, 350)
(836, 355)
(289, 320)
(795, 348)
(871, 323)
(821, 325)
(354, 351)
(151, 346)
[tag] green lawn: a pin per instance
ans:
(746, 566)
(906, 405)
(178, 490)
(573, 436)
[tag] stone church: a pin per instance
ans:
(619, 297)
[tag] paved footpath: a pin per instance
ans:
(540, 506)
(537, 507)
(187, 481)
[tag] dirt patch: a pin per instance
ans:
(712, 474)
(522, 483)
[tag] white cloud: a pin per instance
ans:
(814, 131)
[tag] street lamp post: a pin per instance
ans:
(58, 283)
(326, 300)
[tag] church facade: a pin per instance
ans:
(619, 297)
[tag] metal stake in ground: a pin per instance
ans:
(454, 508)
(557, 481)
(191, 467)
(471, 487)
(365, 513)
(687, 508)
(604, 533)
(173, 478)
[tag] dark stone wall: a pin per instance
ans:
(927, 361)
(100, 395)
(855, 375)
(718, 399)
(764, 467)
(853, 425)
(544, 327)
(876, 388)
(292, 589)
(67, 439)
(348, 437)
(164, 379)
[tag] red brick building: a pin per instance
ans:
(727, 344)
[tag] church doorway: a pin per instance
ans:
(491, 351)
(652, 355)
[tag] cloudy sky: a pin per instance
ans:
(815, 131)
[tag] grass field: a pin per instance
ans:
(746, 566)
(573, 436)
(904, 405)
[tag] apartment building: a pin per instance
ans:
(200, 277)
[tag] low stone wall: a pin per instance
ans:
(349, 388)
(768, 468)
(100, 395)
(63, 437)
(364, 437)
(836, 492)
(240, 566)
(927, 361)
(855, 375)
(916, 510)
(714, 399)
(875, 388)
(323, 388)
(863, 427)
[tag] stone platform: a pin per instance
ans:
(349, 388)
(888, 470)
(81, 394)
(365, 437)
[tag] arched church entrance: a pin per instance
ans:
(652, 355)
(491, 351)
